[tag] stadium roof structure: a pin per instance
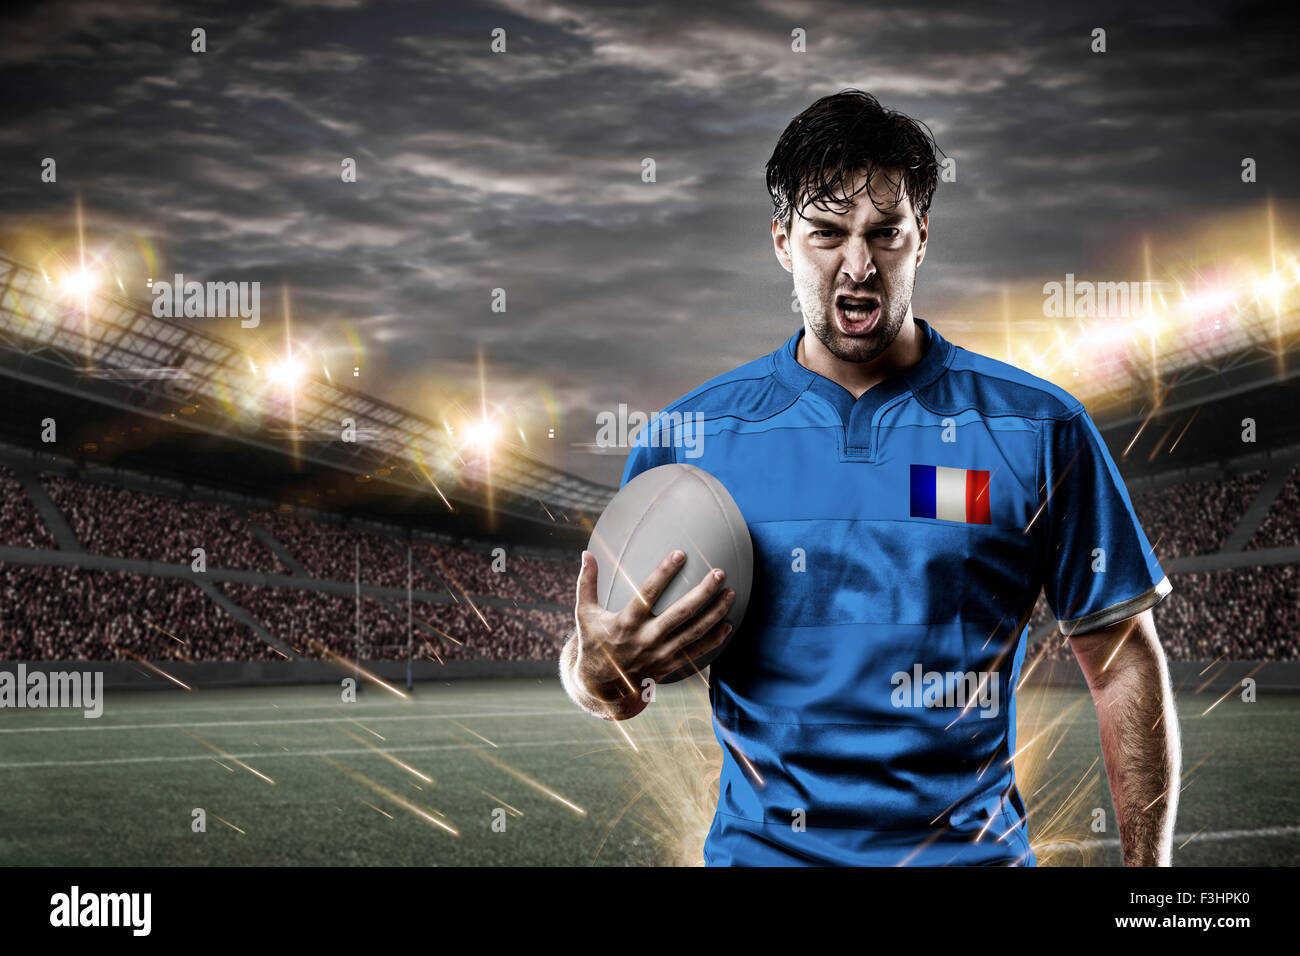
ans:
(1221, 353)
(114, 352)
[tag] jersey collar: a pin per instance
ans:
(931, 366)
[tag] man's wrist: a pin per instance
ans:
(613, 700)
(607, 692)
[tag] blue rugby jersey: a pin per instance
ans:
(865, 707)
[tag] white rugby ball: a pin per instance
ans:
(661, 510)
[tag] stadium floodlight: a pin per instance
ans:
(1100, 337)
(1269, 286)
(288, 372)
(1150, 324)
(1210, 302)
(280, 391)
(79, 282)
(482, 433)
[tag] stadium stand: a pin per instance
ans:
(1195, 517)
(511, 637)
(553, 580)
(74, 614)
(521, 613)
(441, 631)
(470, 572)
(1281, 528)
(1241, 613)
(331, 554)
(1042, 616)
(127, 523)
(307, 620)
(19, 523)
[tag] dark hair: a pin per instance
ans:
(840, 136)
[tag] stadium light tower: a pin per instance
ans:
(288, 372)
(482, 434)
(79, 282)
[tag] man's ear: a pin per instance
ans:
(924, 229)
(781, 244)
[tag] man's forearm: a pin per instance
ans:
(570, 676)
(1140, 744)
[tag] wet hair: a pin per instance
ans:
(844, 135)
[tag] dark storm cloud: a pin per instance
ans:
(522, 171)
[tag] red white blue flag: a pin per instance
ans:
(950, 494)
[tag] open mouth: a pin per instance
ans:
(856, 315)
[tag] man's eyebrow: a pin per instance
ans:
(893, 219)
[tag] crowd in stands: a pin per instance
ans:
(1238, 613)
(125, 523)
(313, 623)
(331, 553)
(1245, 613)
(337, 554)
(510, 612)
(20, 525)
(307, 621)
(471, 572)
(554, 580)
(1281, 526)
(498, 635)
(1042, 616)
(1195, 517)
(465, 631)
(555, 623)
(70, 613)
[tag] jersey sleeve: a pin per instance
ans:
(1101, 569)
(652, 447)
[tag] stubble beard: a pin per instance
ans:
(860, 348)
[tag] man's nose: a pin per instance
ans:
(857, 262)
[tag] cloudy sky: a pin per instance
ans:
(522, 170)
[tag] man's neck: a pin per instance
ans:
(858, 377)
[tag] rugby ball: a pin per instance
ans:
(663, 509)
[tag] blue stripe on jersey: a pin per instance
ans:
(854, 726)
(924, 492)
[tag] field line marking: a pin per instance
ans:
(1180, 838)
(1031, 721)
(296, 720)
(71, 714)
(189, 708)
(348, 751)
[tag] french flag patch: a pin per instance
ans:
(950, 494)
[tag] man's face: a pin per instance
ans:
(861, 253)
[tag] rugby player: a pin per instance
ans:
(908, 501)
